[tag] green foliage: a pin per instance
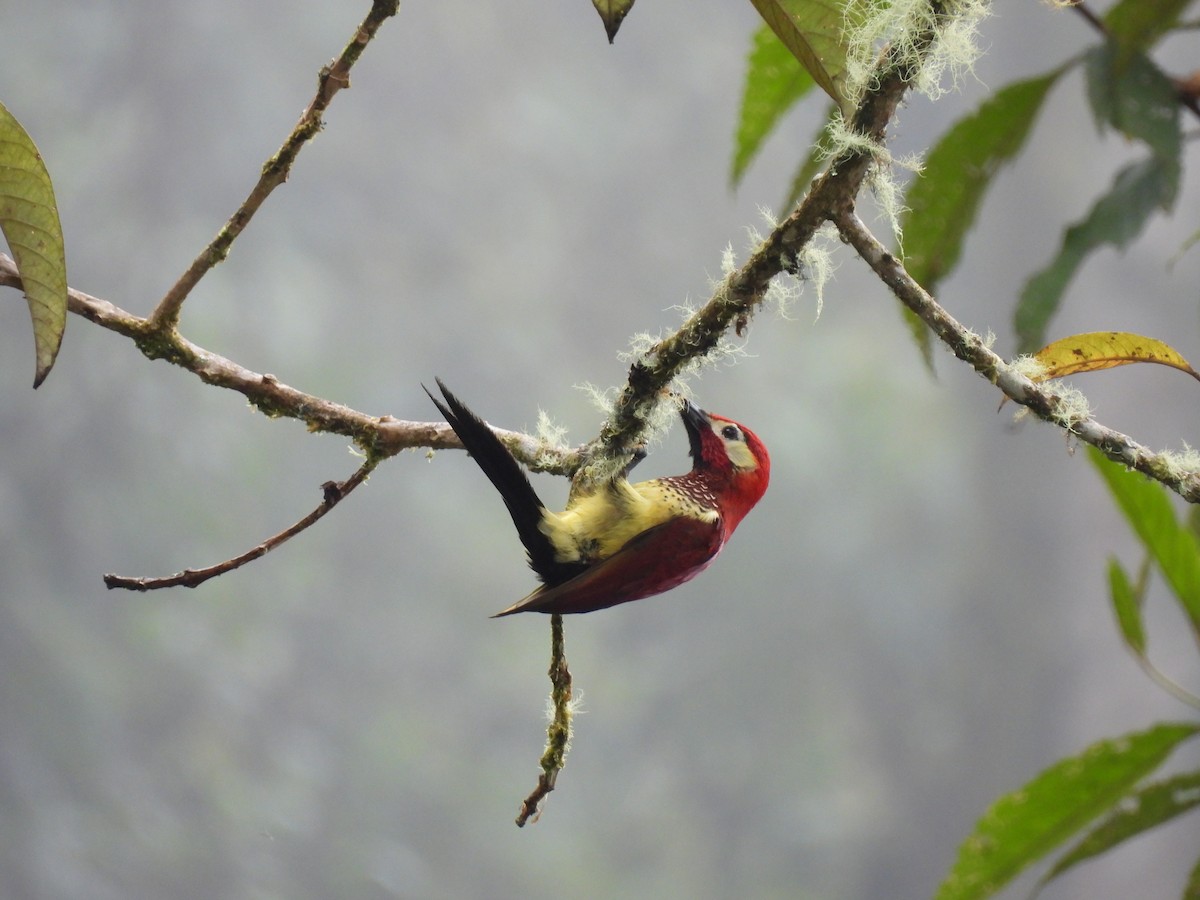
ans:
(1100, 797)
(1127, 600)
(810, 165)
(1170, 543)
(813, 32)
(1117, 218)
(943, 203)
(1138, 24)
(1023, 826)
(29, 220)
(612, 13)
(1140, 811)
(775, 80)
(1130, 94)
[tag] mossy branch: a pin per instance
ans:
(742, 292)
(1042, 400)
(558, 732)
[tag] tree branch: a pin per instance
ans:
(1042, 400)
(376, 436)
(558, 733)
(738, 297)
(275, 171)
(334, 493)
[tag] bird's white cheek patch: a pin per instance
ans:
(740, 455)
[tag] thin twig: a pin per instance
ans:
(1092, 19)
(375, 436)
(334, 493)
(558, 733)
(275, 172)
(1040, 399)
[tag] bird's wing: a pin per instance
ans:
(654, 561)
(509, 478)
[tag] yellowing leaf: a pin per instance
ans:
(29, 220)
(1104, 350)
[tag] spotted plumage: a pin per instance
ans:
(623, 541)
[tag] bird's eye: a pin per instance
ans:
(731, 433)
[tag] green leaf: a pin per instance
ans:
(1116, 218)
(1173, 545)
(29, 221)
(1127, 604)
(612, 13)
(774, 82)
(1138, 24)
(1146, 808)
(1130, 93)
(921, 336)
(1191, 890)
(812, 30)
(943, 202)
(1025, 825)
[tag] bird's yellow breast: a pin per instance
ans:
(597, 524)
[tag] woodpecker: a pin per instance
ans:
(622, 541)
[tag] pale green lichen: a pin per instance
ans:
(1181, 465)
(1071, 406)
(551, 437)
(901, 26)
(816, 262)
(1029, 366)
(880, 178)
(782, 291)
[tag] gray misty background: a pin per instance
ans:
(914, 620)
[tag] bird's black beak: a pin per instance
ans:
(695, 420)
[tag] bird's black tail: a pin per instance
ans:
(509, 478)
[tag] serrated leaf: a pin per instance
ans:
(612, 13)
(1127, 604)
(1025, 825)
(943, 201)
(1138, 24)
(1146, 808)
(1130, 93)
(1096, 350)
(1174, 546)
(29, 221)
(775, 80)
(1116, 218)
(812, 30)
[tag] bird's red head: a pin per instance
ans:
(731, 459)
